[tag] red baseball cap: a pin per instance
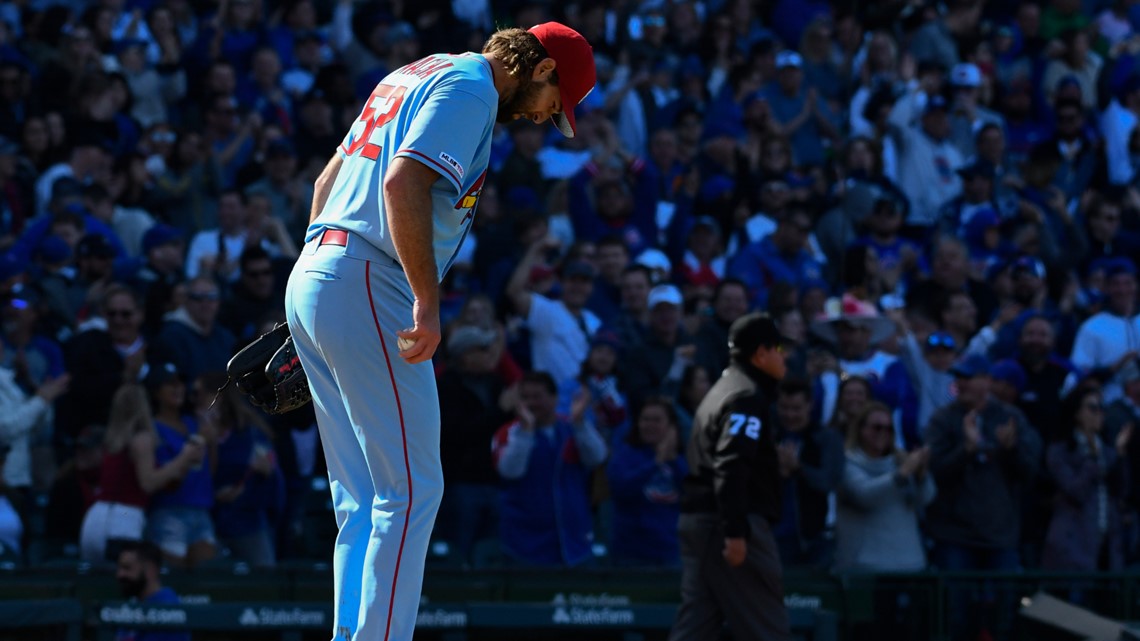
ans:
(575, 64)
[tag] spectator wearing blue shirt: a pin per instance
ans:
(1024, 127)
(250, 486)
(782, 256)
(898, 256)
(229, 136)
(601, 204)
(645, 474)
(74, 216)
(267, 98)
(179, 521)
(985, 242)
(612, 258)
(232, 35)
(33, 356)
(546, 465)
(299, 21)
(139, 566)
(191, 337)
(609, 406)
(801, 113)
(977, 196)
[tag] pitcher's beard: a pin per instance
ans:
(521, 100)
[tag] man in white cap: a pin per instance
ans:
(667, 349)
(804, 117)
(967, 116)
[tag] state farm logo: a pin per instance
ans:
(281, 617)
(591, 609)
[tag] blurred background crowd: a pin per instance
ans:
(938, 202)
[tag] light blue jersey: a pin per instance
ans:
(348, 300)
(439, 110)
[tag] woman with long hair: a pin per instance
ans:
(608, 402)
(249, 487)
(37, 145)
(645, 475)
(1090, 473)
(851, 401)
(128, 476)
(880, 498)
(882, 492)
(179, 521)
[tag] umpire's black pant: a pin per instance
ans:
(749, 597)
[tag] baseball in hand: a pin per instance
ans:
(404, 344)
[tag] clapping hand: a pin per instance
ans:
(526, 417)
(915, 462)
(923, 461)
(972, 431)
(1006, 434)
(579, 405)
(821, 361)
(789, 458)
(1122, 439)
(53, 388)
(229, 493)
(667, 447)
(685, 353)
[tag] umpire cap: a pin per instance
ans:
(751, 332)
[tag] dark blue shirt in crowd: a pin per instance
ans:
(761, 265)
(197, 489)
(646, 497)
(255, 508)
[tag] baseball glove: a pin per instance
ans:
(269, 372)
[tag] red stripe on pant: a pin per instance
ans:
(403, 440)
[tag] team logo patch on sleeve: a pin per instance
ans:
(472, 196)
(451, 162)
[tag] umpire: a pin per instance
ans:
(730, 564)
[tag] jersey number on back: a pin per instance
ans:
(381, 107)
(751, 425)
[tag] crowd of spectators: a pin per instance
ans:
(938, 202)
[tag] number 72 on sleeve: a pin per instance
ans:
(751, 425)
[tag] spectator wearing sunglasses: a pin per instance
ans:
(253, 297)
(879, 499)
(883, 491)
(927, 362)
(191, 337)
(108, 350)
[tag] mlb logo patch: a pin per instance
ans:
(451, 162)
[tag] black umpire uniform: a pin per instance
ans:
(733, 492)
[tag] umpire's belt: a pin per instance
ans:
(337, 237)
